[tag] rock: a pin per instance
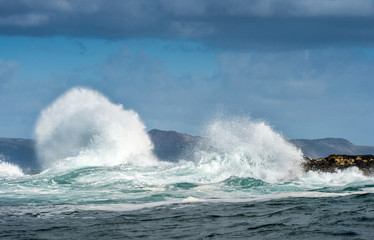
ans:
(340, 162)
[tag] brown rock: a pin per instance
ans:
(340, 162)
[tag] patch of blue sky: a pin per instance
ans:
(179, 57)
(39, 57)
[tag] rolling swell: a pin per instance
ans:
(289, 218)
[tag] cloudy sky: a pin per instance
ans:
(305, 67)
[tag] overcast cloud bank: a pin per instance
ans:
(265, 24)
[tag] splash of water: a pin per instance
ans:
(83, 128)
(246, 148)
(8, 170)
(232, 147)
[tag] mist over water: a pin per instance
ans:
(83, 128)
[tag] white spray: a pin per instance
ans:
(83, 128)
(9, 170)
(246, 148)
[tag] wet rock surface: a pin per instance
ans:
(336, 162)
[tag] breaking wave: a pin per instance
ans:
(83, 128)
(9, 170)
(242, 147)
(97, 152)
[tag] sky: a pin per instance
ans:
(305, 67)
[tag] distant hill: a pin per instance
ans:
(172, 146)
(319, 148)
(19, 151)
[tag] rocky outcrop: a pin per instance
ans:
(340, 162)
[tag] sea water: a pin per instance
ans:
(100, 179)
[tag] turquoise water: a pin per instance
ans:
(100, 180)
(168, 183)
(119, 202)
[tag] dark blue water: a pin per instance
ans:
(344, 217)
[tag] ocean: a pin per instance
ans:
(99, 179)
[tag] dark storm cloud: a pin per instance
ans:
(270, 24)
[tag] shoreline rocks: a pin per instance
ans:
(340, 162)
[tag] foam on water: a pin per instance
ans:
(347, 177)
(8, 170)
(246, 148)
(83, 128)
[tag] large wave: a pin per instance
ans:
(83, 128)
(9, 170)
(242, 147)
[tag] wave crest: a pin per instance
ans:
(83, 128)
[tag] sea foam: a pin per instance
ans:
(8, 170)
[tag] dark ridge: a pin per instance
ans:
(319, 148)
(174, 146)
(171, 145)
(19, 151)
